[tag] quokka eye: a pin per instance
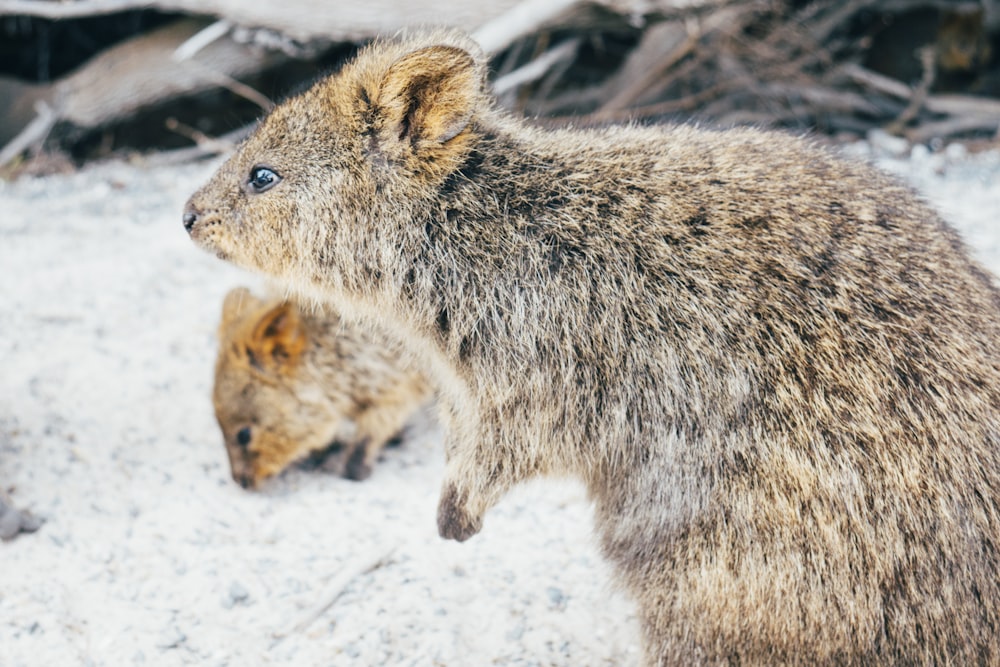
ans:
(262, 179)
(243, 436)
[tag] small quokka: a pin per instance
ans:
(775, 370)
(291, 381)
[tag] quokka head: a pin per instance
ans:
(271, 409)
(330, 179)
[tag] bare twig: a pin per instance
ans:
(628, 95)
(337, 587)
(32, 135)
(215, 146)
(875, 81)
(821, 31)
(952, 126)
(723, 18)
(958, 105)
(942, 104)
(192, 45)
(928, 56)
(521, 19)
(537, 68)
(232, 85)
(207, 143)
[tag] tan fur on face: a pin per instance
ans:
(299, 381)
(775, 370)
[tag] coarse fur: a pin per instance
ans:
(291, 381)
(775, 370)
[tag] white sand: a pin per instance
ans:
(151, 555)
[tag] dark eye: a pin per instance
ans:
(262, 179)
(243, 436)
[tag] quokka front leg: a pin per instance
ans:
(480, 468)
(382, 422)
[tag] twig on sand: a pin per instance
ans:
(335, 589)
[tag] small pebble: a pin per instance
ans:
(887, 143)
(237, 595)
(556, 597)
(171, 639)
(515, 633)
(956, 152)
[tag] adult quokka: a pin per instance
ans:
(774, 369)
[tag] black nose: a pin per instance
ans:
(190, 217)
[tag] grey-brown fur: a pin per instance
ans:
(775, 370)
(294, 381)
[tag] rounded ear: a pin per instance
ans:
(429, 94)
(277, 340)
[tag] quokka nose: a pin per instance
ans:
(190, 217)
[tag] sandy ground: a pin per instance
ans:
(150, 554)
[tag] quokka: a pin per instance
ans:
(774, 369)
(290, 382)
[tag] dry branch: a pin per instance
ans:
(519, 20)
(336, 589)
(772, 62)
(941, 104)
(309, 20)
(32, 135)
(537, 68)
(139, 73)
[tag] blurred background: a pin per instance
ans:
(173, 80)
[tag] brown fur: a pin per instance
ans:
(300, 380)
(775, 370)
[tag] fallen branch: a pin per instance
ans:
(521, 19)
(537, 68)
(641, 85)
(319, 20)
(33, 134)
(947, 128)
(67, 10)
(214, 146)
(139, 73)
(200, 40)
(208, 144)
(918, 98)
(336, 589)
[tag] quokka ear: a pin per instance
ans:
(277, 340)
(237, 301)
(429, 94)
(237, 304)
